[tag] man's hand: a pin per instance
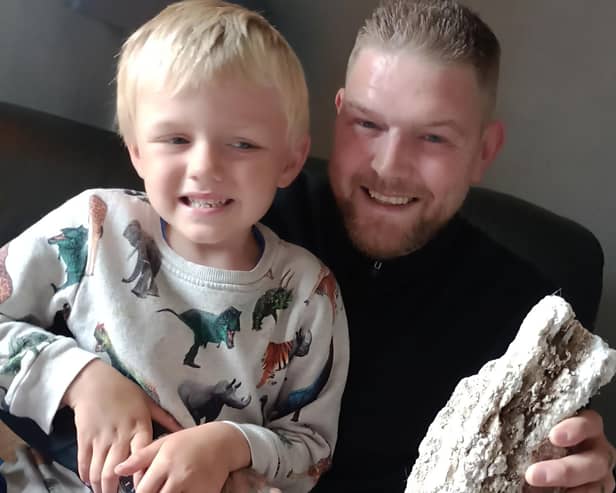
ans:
(589, 466)
(113, 417)
(247, 481)
(195, 460)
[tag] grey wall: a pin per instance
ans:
(558, 100)
(56, 60)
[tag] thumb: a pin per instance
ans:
(139, 460)
(163, 417)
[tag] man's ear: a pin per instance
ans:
(491, 143)
(339, 99)
(135, 157)
(299, 153)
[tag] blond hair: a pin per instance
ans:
(195, 41)
(443, 30)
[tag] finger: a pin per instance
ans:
(571, 471)
(99, 454)
(109, 479)
(139, 460)
(573, 431)
(84, 457)
(153, 481)
(141, 440)
(163, 417)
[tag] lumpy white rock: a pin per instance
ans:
(496, 423)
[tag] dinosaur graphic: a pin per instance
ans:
(97, 213)
(314, 471)
(104, 345)
(148, 260)
(272, 300)
(72, 250)
(208, 327)
(299, 398)
(20, 345)
(140, 195)
(6, 283)
(326, 286)
(206, 401)
(278, 354)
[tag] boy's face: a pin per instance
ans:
(409, 142)
(211, 159)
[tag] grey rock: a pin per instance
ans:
(496, 422)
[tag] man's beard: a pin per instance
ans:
(385, 240)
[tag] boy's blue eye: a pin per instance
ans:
(177, 140)
(242, 145)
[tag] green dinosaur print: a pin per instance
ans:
(73, 251)
(20, 345)
(272, 300)
(104, 345)
(208, 327)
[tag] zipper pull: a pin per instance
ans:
(376, 267)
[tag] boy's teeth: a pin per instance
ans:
(388, 200)
(206, 203)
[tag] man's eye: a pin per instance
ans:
(433, 139)
(367, 124)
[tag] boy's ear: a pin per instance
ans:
(299, 153)
(339, 99)
(491, 143)
(135, 157)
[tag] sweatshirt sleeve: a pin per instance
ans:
(296, 443)
(40, 273)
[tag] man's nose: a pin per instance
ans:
(205, 163)
(394, 156)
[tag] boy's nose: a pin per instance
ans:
(205, 164)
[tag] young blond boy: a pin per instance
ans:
(239, 336)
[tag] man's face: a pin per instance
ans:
(409, 141)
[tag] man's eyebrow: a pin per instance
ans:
(361, 108)
(449, 122)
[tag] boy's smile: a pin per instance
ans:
(211, 159)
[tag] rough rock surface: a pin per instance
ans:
(496, 423)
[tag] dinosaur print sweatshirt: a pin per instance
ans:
(266, 349)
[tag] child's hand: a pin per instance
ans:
(195, 460)
(113, 417)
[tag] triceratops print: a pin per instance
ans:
(278, 354)
(6, 283)
(272, 300)
(206, 401)
(148, 260)
(104, 345)
(208, 327)
(72, 250)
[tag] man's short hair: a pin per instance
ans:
(196, 41)
(443, 30)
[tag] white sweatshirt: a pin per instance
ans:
(265, 349)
